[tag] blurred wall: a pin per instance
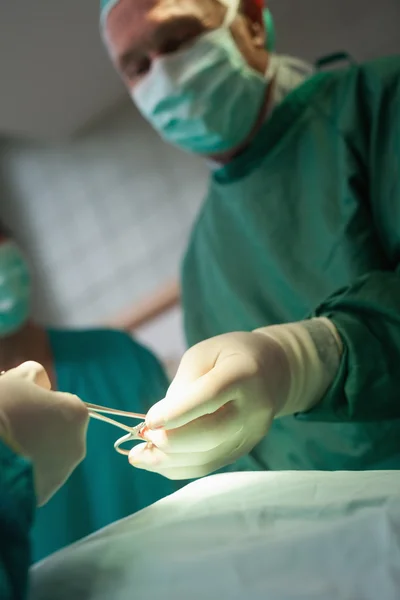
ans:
(312, 28)
(104, 219)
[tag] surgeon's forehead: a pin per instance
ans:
(132, 23)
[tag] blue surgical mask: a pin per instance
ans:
(206, 98)
(15, 289)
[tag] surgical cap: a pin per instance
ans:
(254, 9)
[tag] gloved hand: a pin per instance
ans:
(228, 390)
(47, 427)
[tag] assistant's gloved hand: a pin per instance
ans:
(47, 427)
(228, 390)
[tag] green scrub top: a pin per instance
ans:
(108, 368)
(305, 223)
(17, 505)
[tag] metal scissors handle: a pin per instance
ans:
(134, 433)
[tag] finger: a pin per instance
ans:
(196, 362)
(153, 459)
(30, 406)
(204, 396)
(188, 466)
(200, 435)
(227, 454)
(74, 410)
(31, 371)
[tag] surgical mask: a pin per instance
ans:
(288, 73)
(15, 289)
(206, 98)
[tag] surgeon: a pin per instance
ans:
(102, 367)
(291, 281)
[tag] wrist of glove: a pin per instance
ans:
(313, 350)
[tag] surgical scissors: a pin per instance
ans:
(134, 433)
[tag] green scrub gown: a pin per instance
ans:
(108, 368)
(304, 223)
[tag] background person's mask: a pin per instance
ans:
(15, 289)
(205, 98)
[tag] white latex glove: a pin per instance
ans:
(47, 427)
(228, 390)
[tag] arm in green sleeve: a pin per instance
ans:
(367, 317)
(367, 313)
(17, 502)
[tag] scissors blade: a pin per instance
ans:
(113, 411)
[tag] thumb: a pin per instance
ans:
(203, 396)
(31, 371)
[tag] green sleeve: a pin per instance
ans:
(367, 313)
(17, 502)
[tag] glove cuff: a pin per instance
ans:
(313, 350)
